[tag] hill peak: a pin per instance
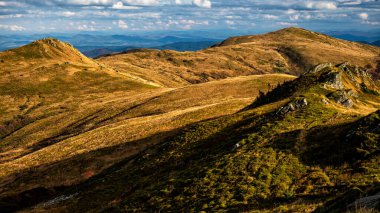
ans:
(290, 33)
(47, 48)
(50, 41)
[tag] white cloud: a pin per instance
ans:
(142, 2)
(121, 24)
(203, 3)
(363, 16)
(270, 17)
(295, 17)
(120, 6)
(229, 22)
(89, 2)
(291, 11)
(321, 5)
(144, 15)
(12, 27)
(10, 4)
(68, 14)
(102, 13)
(11, 16)
(286, 24)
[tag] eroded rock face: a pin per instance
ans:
(320, 67)
(334, 80)
(343, 97)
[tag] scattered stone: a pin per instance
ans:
(300, 103)
(348, 103)
(342, 97)
(236, 146)
(67, 63)
(325, 101)
(320, 67)
(51, 42)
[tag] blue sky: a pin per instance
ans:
(129, 16)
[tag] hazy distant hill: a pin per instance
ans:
(187, 46)
(94, 52)
(91, 44)
(377, 43)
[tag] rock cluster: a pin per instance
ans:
(342, 97)
(334, 80)
(51, 42)
(292, 106)
(319, 68)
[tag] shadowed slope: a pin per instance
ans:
(262, 159)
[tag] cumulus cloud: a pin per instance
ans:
(12, 27)
(120, 6)
(321, 5)
(363, 16)
(203, 3)
(142, 2)
(186, 14)
(287, 24)
(270, 17)
(68, 14)
(87, 2)
(121, 24)
(229, 22)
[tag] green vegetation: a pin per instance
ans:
(255, 160)
(78, 135)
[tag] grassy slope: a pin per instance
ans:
(70, 126)
(64, 123)
(66, 118)
(291, 51)
(294, 163)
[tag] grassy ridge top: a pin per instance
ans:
(290, 51)
(48, 48)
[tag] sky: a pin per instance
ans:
(129, 16)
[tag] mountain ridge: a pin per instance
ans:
(298, 158)
(222, 129)
(290, 51)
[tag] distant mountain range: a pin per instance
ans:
(93, 45)
(375, 43)
(94, 52)
(96, 45)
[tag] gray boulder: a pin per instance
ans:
(292, 106)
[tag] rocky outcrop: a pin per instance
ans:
(292, 106)
(319, 67)
(343, 97)
(334, 80)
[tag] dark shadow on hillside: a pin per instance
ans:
(45, 188)
(333, 145)
(48, 181)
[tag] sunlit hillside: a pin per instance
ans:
(282, 122)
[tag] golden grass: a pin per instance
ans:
(290, 51)
(117, 118)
